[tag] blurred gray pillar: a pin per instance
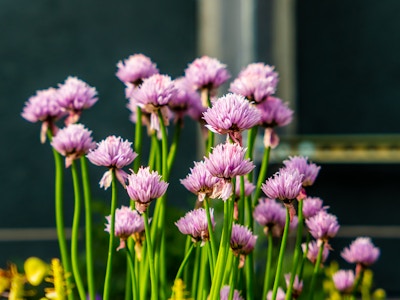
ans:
(227, 31)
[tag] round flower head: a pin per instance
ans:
(309, 170)
(145, 186)
(127, 223)
(297, 285)
(200, 181)
(194, 223)
(313, 249)
(113, 153)
(75, 96)
(271, 215)
(43, 106)
(285, 185)
(258, 69)
(73, 142)
(361, 251)
(206, 72)
(323, 226)
(136, 68)
(344, 281)
(279, 296)
(224, 294)
(242, 240)
(226, 162)
(311, 206)
(231, 114)
(154, 94)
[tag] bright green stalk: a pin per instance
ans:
(303, 259)
(297, 249)
(210, 233)
(202, 291)
(186, 271)
(75, 233)
(268, 270)
(316, 271)
(251, 138)
(59, 215)
(132, 274)
(88, 228)
(234, 276)
(357, 283)
(184, 262)
(196, 267)
(150, 254)
(281, 255)
(262, 174)
(138, 138)
(174, 146)
(110, 258)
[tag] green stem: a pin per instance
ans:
(234, 276)
(196, 267)
(110, 258)
(297, 249)
(262, 174)
(150, 253)
(59, 216)
(174, 146)
(202, 291)
(188, 243)
(268, 270)
(75, 233)
(357, 284)
(210, 232)
(132, 273)
(184, 262)
(303, 260)
(316, 271)
(138, 138)
(88, 228)
(281, 255)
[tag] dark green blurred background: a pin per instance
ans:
(347, 67)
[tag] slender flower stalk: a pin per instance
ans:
(154, 289)
(268, 266)
(316, 271)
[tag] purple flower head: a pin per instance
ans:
(206, 72)
(344, 281)
(271, 215)
(279, 296)
(43, 106)
(230, 115)
(323, 226)
(113, 153)
(224, 294)
(309, 170)
(75, 96)
(194, 223)
(361, 251)
(186, 101)
(311, 206)
(313, 249)
(226, 162)
(297, 285)
(249, 187)
(127, 223)
(259, 69)
(145, 186)
(242, 240)
(285, 185)
(274, 113)
(136, 68)
(200, 181)
(154, 94)
(73, 142)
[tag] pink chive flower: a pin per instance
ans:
(76, 95)
(153, 95)
(279, 296)
(285, 185)
(271, 215)
(194, 223)
(200, 181)
(311, 206)
(231, 114)
(226, 162)
(249, 187)
(224, 294)
(323, 226)
(242, 240)
(127, 223)
(344, 281)
(312, 250)
(206, 72)
(256, 82)
(43, 106)
(361, 251)
(73, 142)
(297, 285)
(136, 68)
(113, 153)
(145, 186)
(304, 166)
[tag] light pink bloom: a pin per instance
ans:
(224, 294)
(279, 296)
(344, 281)
(249, 187)
(258, 69)
(285, 185)
(136, 68)
(304, 166)
(242, 240)
(361, 251)
(313, 249)
(43, 106)
(311, 206)
(76, 95)
(145, 186)
(271, 215)
(73, 142)
(113, 153)
(297, 285)
(323, 226)
(231, 114)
